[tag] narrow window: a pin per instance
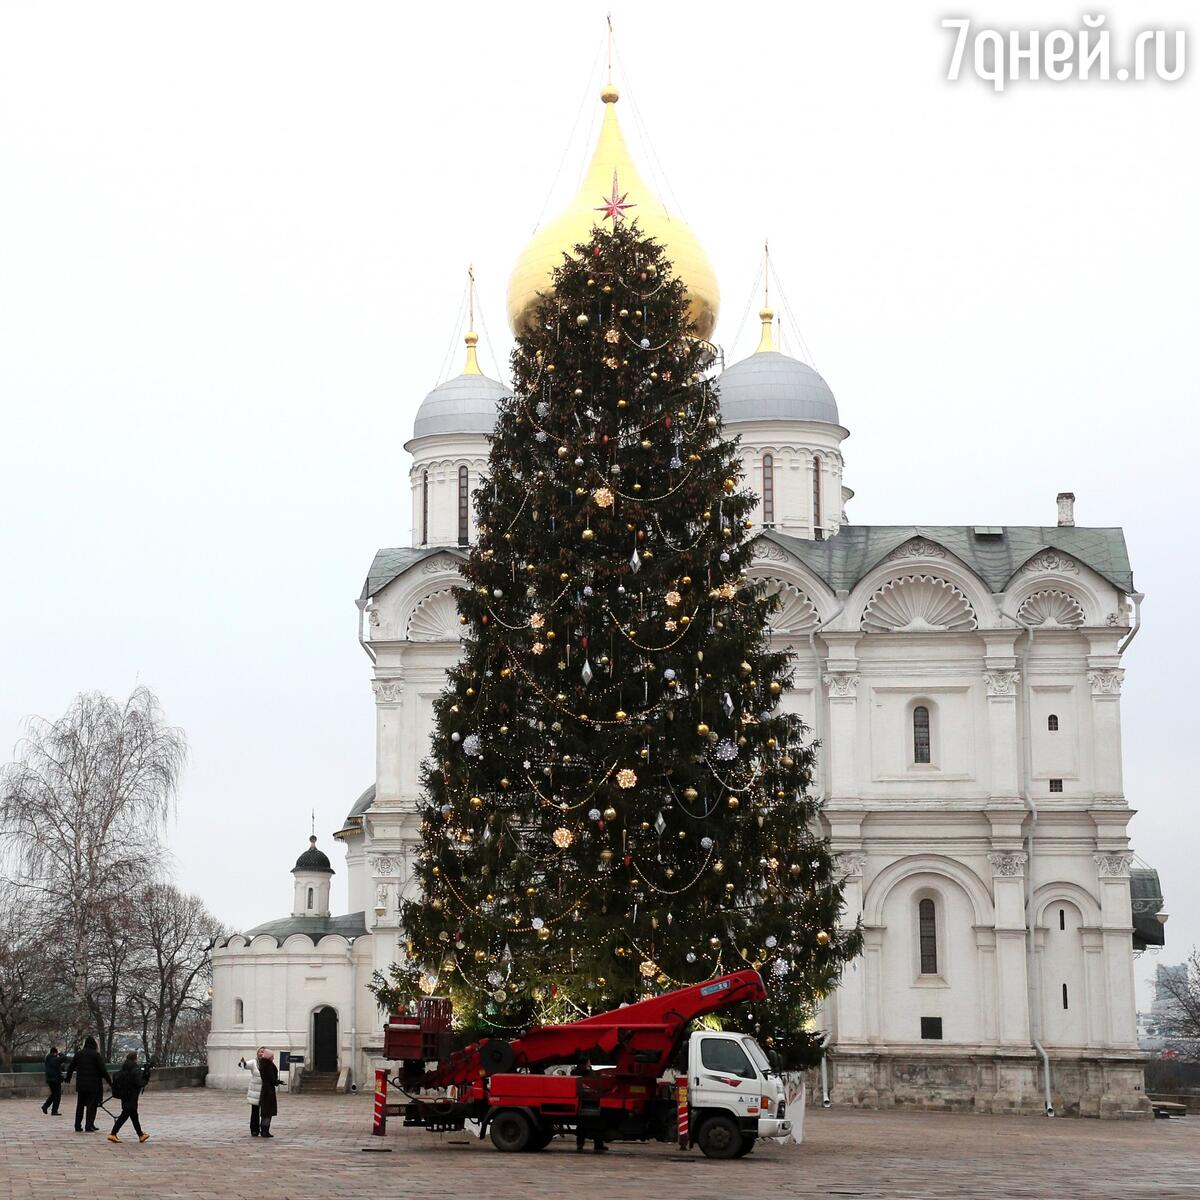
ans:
(1052, 723)
(1065, 1004)
(464, 504)
(310, 897)
(1062, 918)
(239, 1012)
(927, 921)
(920, 734)
(1056, 785)
(424, 508)
(768, 468)
(931, 1029)
(818, 532)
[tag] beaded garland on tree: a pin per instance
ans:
(614, 801)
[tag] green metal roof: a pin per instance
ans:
(392, 561)
(1146, 898)
(350, 926)
(842, 560)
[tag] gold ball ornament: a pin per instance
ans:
(606, 856)
(822, 938)
(480, 956)
(582, 319)
(702, 730)
(476, 802)
(610, 813)
(544, 934)
(718, 867)
(587, 535)
(732, 802)
(728, 485)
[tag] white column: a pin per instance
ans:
(842, 683)
(1012, 978)
(389, 732)
(851, 993)
(1116, 931)
(1001, 683)
(1106, 731)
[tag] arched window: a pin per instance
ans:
(239, 1011)
(310, 897)
(920, 734)
(464, 504)
(768, 469)
(927, 928)
(1052, 723)
(818, 532)
(424, 508)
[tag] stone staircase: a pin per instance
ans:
(318, 1081)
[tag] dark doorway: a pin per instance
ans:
(325, 1039)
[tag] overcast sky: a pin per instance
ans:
(233, 240)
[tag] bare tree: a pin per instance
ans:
(83, 806)
(1179, 992)
(174, 933)
(33, 1004)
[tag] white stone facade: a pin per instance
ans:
(965, 686)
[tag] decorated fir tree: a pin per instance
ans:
(614, 802)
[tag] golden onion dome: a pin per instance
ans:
(531, 275)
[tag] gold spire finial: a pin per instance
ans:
(609, 93)
(472, 338)
(765, 314)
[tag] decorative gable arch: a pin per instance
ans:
(1051, 608)
(918, 604)
(434, 618)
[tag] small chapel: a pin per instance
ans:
(964, 683)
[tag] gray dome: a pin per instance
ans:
(313, 859)
(464, 404)
(770, 386)
(362, 803)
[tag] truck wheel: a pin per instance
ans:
(748, 1141)
(720, 1137)
(511, 1130)
(541, 1137)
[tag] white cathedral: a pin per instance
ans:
(964, 682)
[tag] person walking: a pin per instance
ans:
(264, 1079)
(127, 1086)
(91, 1074)
(54, 1070)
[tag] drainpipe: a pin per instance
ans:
(1138, 597)
(353, 1015)
(812, 645)
(1026, 774)
(361, 605)
(817, 708)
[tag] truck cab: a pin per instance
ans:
(733, 1095)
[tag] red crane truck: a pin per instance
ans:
(730, 1096)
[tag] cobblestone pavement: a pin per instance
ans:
(199, 1147)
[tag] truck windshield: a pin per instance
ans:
(757, 1055)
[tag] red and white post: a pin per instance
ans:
(681, 1105)
(379, 1128)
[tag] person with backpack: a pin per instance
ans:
(91, 1074)
(54, 1070)
(127, 1087)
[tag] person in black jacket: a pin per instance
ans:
(268, 1103)
(91, 1074)
(127, 1086)
(54, 1066)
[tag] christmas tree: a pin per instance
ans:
(615, 803)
